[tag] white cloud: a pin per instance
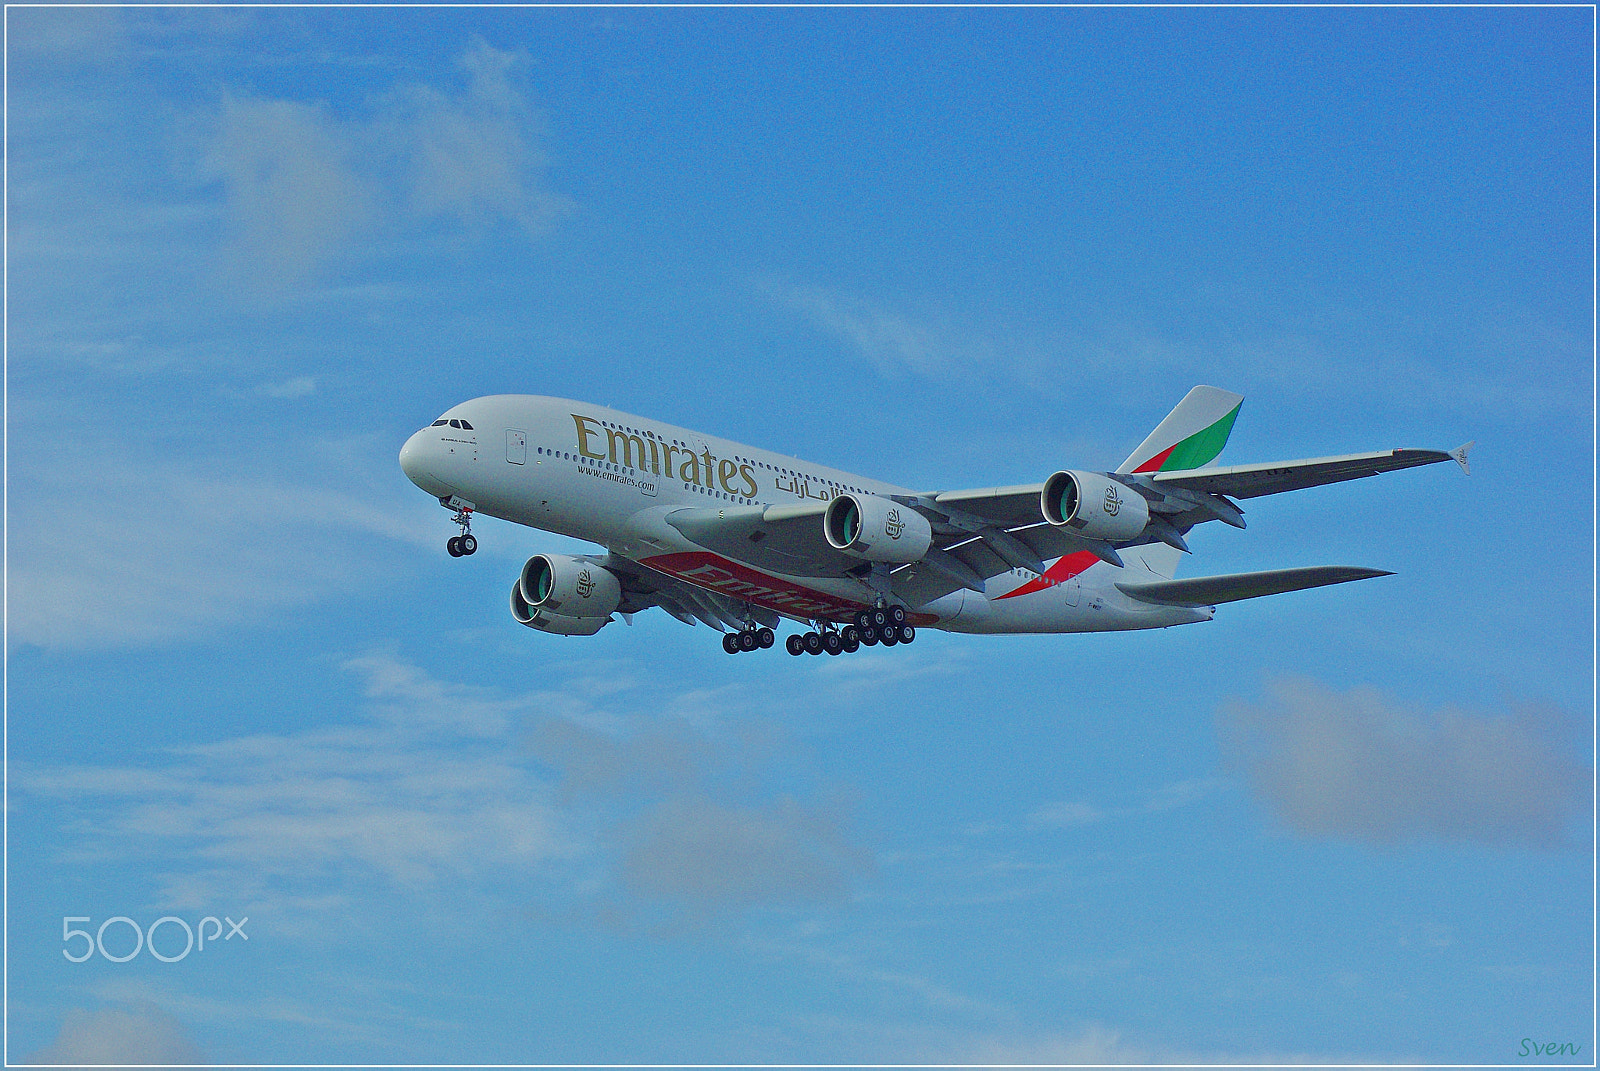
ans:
(1098, 1044)
(429, 789)
(1167, 797)
(1358, 766)
(298, 387)
(303, 184)
(293, 194)
(648, 819)
(708, 857)
(112, 547)
(474, 155)
(690, 833)
(138, 1034)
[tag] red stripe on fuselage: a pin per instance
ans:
(726, 577)
(1063, 570)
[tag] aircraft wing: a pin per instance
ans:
(1233, 587)
(968, 547)
(1252, 481)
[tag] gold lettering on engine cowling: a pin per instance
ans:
(583, 437)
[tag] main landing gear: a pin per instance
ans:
(885, 625)
(466, 542)
(749, 638)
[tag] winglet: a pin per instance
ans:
(1459, 456)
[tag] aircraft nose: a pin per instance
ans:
(411, 457)
(415, 458)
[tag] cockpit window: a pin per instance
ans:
(467, 426)
(455, 423)
(438, 423)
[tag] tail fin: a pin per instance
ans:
(1192, 435)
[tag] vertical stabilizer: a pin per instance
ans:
(1191, 436)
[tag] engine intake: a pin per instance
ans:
(1094, 506)
(568, 587)
(877, 529)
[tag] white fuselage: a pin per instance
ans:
(612, 478)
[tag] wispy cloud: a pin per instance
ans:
(1099, 1044)
(298, 387)
(1360, 766)
(690, 830)
(301, 183)
(114, 548)
(443, 785)
(136, 1034)
(1167, 797)
(893, 341)
(293, 195)
(428, 789)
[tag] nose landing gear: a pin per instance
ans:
(466, 542)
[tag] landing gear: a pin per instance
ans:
(885, 625)
(748, 639)
(466, 542)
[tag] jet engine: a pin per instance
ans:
(568, 587)
(545, 621)
(877, 529)
(1094, 505)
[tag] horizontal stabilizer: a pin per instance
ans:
(1212, 590)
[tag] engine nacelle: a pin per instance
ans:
(1094, 505)
(877, 529)
(546, 621)
(570, 587)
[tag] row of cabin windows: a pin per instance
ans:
(618, 468)
(743, 460)
(462, 424)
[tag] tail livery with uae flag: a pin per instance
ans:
(741, 538)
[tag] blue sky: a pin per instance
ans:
(251, 250)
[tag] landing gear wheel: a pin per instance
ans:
(454, 546)
(907, 633)
(862, 619)
(897, 614)
(468, 543)
(730, 643)
(748, 640)
(794, 644)
(765, 638)
(869, 635)
(891, 636)
(813, 641)
(879, 618)
(832, 642)
(850, 638)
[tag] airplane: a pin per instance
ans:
(740, 538)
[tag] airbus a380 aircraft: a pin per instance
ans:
(739, 537)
